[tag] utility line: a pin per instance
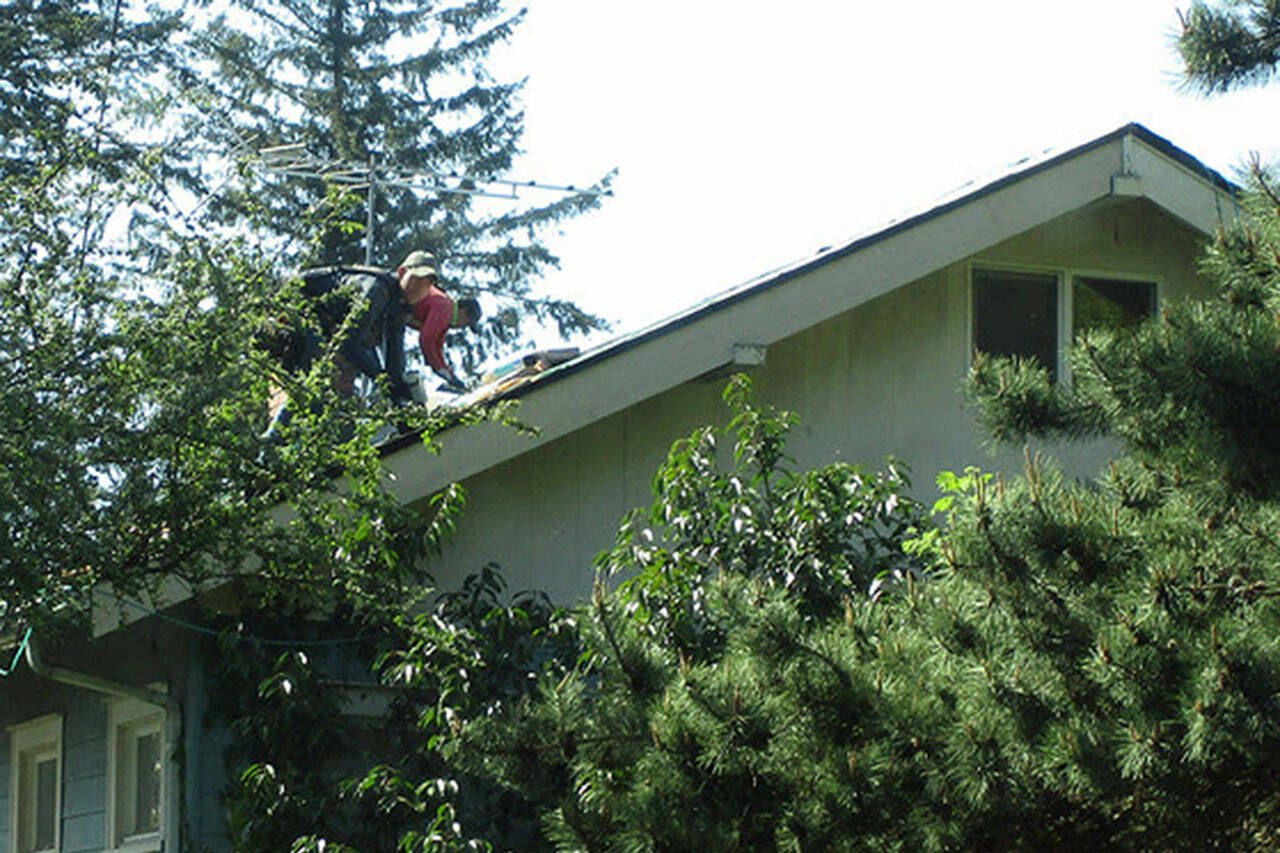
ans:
(17, 655)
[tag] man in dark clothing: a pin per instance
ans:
(388, 302)
(379, 323)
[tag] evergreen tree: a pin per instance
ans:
(1087, 665)
(1230, 45)
(132, 394)
(401, 85)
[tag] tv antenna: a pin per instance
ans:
(294, 161)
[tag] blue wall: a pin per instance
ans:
(84, 777)
(4, 789)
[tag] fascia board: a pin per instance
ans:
(110, 611)
(1192, 198)
(809, 296)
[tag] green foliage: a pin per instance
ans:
(133, 379)
(717, 697)
(1191, 392)
(66, 69)
(1231, 44)
(1111, 645)
(820, 534)
(511, 715)
(476, 656)
(404, 85)
(88, 426)
(283, 718)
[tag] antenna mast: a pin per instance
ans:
(294, 161)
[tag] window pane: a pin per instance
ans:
(1016, 314)
(46, 791)
(1098, 303)
(146, 816)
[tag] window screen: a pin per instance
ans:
(146, 794)
(1016, 313)
(1099, 303)
(46, 814)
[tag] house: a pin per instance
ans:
(867, 341)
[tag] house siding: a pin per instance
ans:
(153, 652)
(880, 379)
(206, 785)
(206, 740)
(84, 780)
(5, 803)
(84, 777)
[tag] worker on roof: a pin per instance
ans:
(433, 313)
(390, 301)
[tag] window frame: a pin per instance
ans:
(36, 736)
(132, 718)
(1066, 277)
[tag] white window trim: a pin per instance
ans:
(1065, 276)
(132, 712)
(26, 737)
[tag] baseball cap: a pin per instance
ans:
(419, 262)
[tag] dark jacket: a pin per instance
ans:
(380, 321)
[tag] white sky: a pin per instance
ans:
(749, 134)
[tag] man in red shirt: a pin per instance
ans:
(433, 313)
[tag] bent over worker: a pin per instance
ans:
(434, 313)
(389, 301)
(410, 296)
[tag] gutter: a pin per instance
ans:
(97, 684)
(173, 824)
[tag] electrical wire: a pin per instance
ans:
(17, 655)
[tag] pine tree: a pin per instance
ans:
(1230, 45)
(402, 85)
(132, 393)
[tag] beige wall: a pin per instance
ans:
(880, 379)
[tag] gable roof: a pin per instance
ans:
(1129, 162)
(967, 193)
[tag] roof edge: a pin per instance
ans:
(784, 274)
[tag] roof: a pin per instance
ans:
(966, 194)
(1129, 162)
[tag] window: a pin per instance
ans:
(36, 769)
(1099, 303)
(1024, 313)
(1016, 313)
(135, 799)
